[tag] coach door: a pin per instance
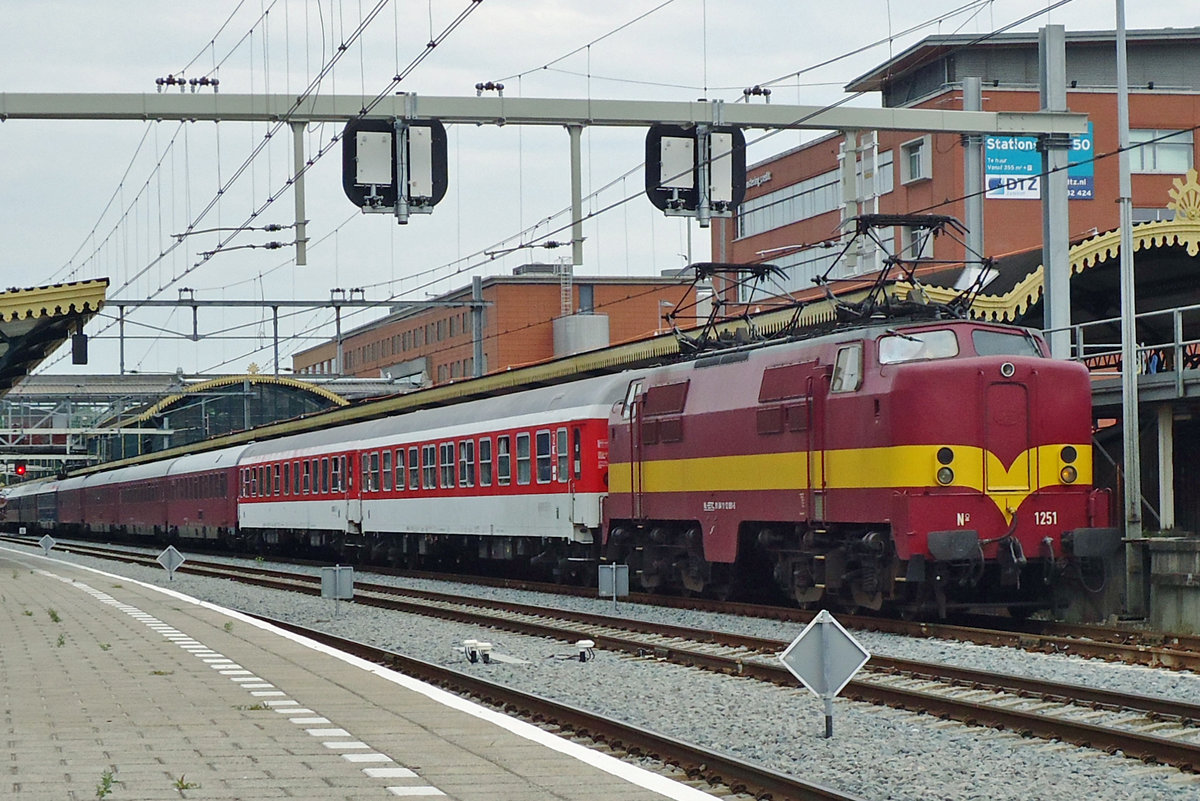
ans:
(351, 484)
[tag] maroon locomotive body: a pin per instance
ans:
(922, 465)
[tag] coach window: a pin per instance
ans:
(545, 459)
(523, 460)
(400, 470)
(414, 470)
(503, 460)
(374, 485)
(563, 455)
(386, 458)
(847, 369)
(287, 478)
(447, 462)
(466, 463)
(429, 466)
(275, 480)
(245, 483)
(365, 483)
(253, 482)
(485, 462)
(307, 476)
(325, 474)
(295, 478)
(335, 474)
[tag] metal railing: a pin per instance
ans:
(1168, 341)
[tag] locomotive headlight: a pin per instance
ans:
(1069, 454)
(945, 456)
(1008, 369)
(945, 475)
(1068, 474)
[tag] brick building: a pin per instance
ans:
(528, 317)
(796, 198)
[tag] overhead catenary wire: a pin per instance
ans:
(455, 272)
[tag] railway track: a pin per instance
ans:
(1127, 645)
(701, 767)
(1148, 728)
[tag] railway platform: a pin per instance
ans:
(113, 689)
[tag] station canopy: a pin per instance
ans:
(35, 322)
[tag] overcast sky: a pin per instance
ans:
(84, 200)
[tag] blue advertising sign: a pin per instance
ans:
(1012, 167)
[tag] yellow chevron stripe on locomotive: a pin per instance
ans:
(900, 466)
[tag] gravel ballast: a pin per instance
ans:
(876, 752)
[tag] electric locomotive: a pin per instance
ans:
(921, 466)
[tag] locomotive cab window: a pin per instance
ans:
(847, 369)
(631, 394)
(1004, 343)
(898, 348)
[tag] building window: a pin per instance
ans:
(811, 197)
(1160, 151)
(916, 160)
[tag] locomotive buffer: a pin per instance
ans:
(825, 657)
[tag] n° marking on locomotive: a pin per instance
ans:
(964, 518)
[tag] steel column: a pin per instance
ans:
(1056, 258)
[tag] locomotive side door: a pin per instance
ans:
(817, 386)
(634, 398)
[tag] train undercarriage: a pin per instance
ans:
(852, 568)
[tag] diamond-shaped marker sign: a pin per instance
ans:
(825, 657)
(47, 542)
(171, 559)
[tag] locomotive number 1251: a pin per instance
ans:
(1045, 518)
